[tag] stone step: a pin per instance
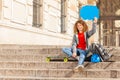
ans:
(52, 78)
(58, 65)
(22, 46)
(41, 58)
(60, 73)
(27, 51)
(23, 58)
(85, 74)
(15, 46)
(42, 51)
(53, 51)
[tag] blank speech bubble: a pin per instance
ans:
(88, 12)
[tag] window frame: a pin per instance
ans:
(64, 6)
(39, 16)
(0, 9)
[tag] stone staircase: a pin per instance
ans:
(27, 62)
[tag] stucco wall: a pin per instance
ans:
(16, 23)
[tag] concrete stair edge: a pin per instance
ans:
(58, 65)
(53, 78)
(58, 69)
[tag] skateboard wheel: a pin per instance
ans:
(48, 59)
(65, 59)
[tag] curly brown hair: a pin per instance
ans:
(85, 27)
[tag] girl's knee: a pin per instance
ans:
(82, 56)
(67, 51)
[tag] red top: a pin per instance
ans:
(82, 42)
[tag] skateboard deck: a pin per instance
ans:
(60, 58)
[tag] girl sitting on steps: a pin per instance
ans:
(80, 42)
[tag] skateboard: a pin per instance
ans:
(60, 58)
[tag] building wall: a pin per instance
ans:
(16, 22)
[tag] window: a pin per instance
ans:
(63, 15)
(37, 13)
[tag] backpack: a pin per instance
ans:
(95, 58)
(99, 49)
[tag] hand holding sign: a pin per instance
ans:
(95, 20)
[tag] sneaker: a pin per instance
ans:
(79, 68)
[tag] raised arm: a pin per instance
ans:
(93, 30)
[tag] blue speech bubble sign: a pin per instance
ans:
(88, 12)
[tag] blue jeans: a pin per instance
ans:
(80, 53)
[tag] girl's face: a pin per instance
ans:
(79, 27)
